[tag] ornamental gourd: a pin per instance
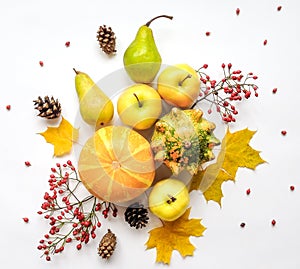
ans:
(116, 164)
(183, 140)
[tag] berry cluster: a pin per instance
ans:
(70, 218)
(234, 86)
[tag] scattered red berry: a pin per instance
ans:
(67, 44)
(26, 219)
(283, 132)
(292, 188)
(8, 107)
(265, 42)
(273, 222)
(243, 224)
(274, 90)
(207, 33)
(41, 63)
(27, 163)
(248, 191)
(237, 11)
(279, 8)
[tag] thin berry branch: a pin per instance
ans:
(233, 87)
(70, 218)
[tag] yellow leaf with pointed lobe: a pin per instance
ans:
(235, 153)
(175, 235)
(61, 137)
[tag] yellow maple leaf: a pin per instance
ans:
(235, 152)
(175, 235)
(61, 137)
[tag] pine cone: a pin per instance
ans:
(136, 215)
(107, 39)
(48, 108)
(107, 245)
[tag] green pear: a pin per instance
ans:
(95, 106)
(141, 59)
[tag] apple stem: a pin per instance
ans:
(75, 71)
(171, 200)
(161, 16)
(140, 103)
(180, 82)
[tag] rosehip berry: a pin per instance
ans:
(67, 44)
(283, 132)
(237, 11)
(274, 90)
(207, 33)
(265, 42)
(41, 63)
(27, 163)
(279, 8)
(26, 220)
(273, 222)
(8, 107)
(79, 246)
(243, 224)
(248, 191)
(292, 188)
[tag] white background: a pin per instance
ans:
(37, 30)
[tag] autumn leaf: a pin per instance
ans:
(235, 153)
(175, 235)
(61, 137)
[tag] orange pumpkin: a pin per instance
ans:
(116, 164)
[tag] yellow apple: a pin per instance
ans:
(169, 199)
(179, 85)
(139, 106)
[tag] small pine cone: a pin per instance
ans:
(107, 245)
(136, 215)
(107, 39)
(48, 107)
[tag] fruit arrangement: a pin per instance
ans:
(162, 125)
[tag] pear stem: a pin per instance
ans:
(180, 82)
(161, 16)
(171, 200)
(75, 71)
(140, 103)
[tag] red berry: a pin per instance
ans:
(8, 107)
(265, 42)
(79, 246)
(229, 65)
(27, 163)
(41, 63)
(283, 132)
(26, 219)
(248, 191)
(48, 258)
(207, 33)
(237, 11)
(279, 8)
(67, 44)
(292, 188)
(274, 90)
(243, 224)
(273, 222)
(205, 66)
